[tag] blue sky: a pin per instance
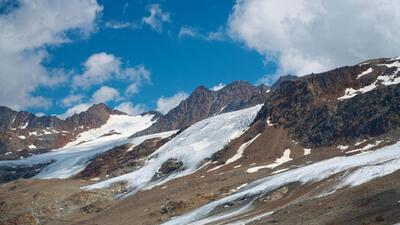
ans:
(177, 63)
(59, 57)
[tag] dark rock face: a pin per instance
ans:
(170, 166)
(94, 117)
(311, 107)
(119, 161)
(12, 173)
(23, 133)
(204, 103)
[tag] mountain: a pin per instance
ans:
(203, 103)
(318, 149)
(23, 134)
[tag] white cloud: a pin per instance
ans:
(307, 36)
(187, 31)
(165, 104)
(218, 87)
(39, 114)
(102, 67)
(99, 68)
(218, 35)
(105, 94)
(131, 109)
(72, 100)
(25, 32)
(117, 25)
(75, 109)
(157, 17)
(191, 32)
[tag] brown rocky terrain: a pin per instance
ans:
(309, 106)
(340, 113)
(23, 134)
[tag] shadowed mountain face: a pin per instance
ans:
(203, 103)
(338, 106)
(22, 133)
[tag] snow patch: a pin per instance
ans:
(350, 92)
(359, 142)
(389, 79)
(239, 153)
(21, 137)
(307, 151)
(32, 146)
(368, 71)
(279, 161)
(25, 125)
(342, 147)
(365, 148)
(269, 123)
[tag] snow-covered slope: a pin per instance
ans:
(192, 148)
(116, 126)
(358, 169)
(74, 157)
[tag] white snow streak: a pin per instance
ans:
(279, 161)
(240, 151)
(368, 71)
(360, 169)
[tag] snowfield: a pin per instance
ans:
(356, 169)
(192, 147)
(74, 157)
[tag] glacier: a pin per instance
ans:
(192, 147)
(74, 157)
(355, 170)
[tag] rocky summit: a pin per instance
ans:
(318, 149)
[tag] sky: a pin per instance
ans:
(59, 57)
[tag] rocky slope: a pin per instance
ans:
(203, 103)
(23, 134)
(342, 105)
(322, 149)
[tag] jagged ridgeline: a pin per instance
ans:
(317, 149)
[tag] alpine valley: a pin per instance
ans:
(317, 149)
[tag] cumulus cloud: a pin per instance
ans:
(99, 68)
(102, 67)
(26, 29)
(165, 104)
(74, 110)
(131, 109)
(72, 100)
(306, 36)
(157, 17)
(218, 87)
(105, 94)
